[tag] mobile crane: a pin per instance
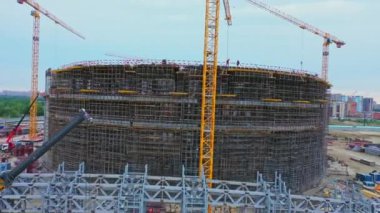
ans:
(10, 145)
(7, 178)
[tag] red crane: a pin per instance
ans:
(6, 178)
(35, 56)
(328, 38)
(16, 128)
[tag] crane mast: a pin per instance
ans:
(325, 58)
(209, 79)
(328, 38)
(35, 57)
(34, 89)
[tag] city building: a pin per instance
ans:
(351, 109)
(376, 107)
(367, 104)
(342, 106)
(376, 115)
(359, 103)
(336, 97)
(338, 110)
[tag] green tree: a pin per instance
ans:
(14, 107)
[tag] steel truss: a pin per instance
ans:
(67, 191)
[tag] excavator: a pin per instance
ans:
(7, 178)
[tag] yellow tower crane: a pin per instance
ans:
(35, 57)
(209, 80)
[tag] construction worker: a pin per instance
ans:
(228, 62)
(237, 63)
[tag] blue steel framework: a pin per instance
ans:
(67, 191)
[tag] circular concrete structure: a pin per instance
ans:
(268, 120)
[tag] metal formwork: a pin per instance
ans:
(66, 191)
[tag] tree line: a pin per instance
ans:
(14, 107)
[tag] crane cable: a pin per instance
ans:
(228, 43)
(302, 49)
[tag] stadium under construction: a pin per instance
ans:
(268, 119)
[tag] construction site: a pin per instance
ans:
(148, 113)
(152, 136)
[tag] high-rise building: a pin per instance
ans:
(336, 97)
(376, 107)
(359, 103)
(338, 109)
(351, 108)
(368, 104)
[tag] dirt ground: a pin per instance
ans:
(342, 168)
(372, 136)
(339, 151)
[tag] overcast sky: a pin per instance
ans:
(173, 29)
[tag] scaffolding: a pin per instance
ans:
(148, 112)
